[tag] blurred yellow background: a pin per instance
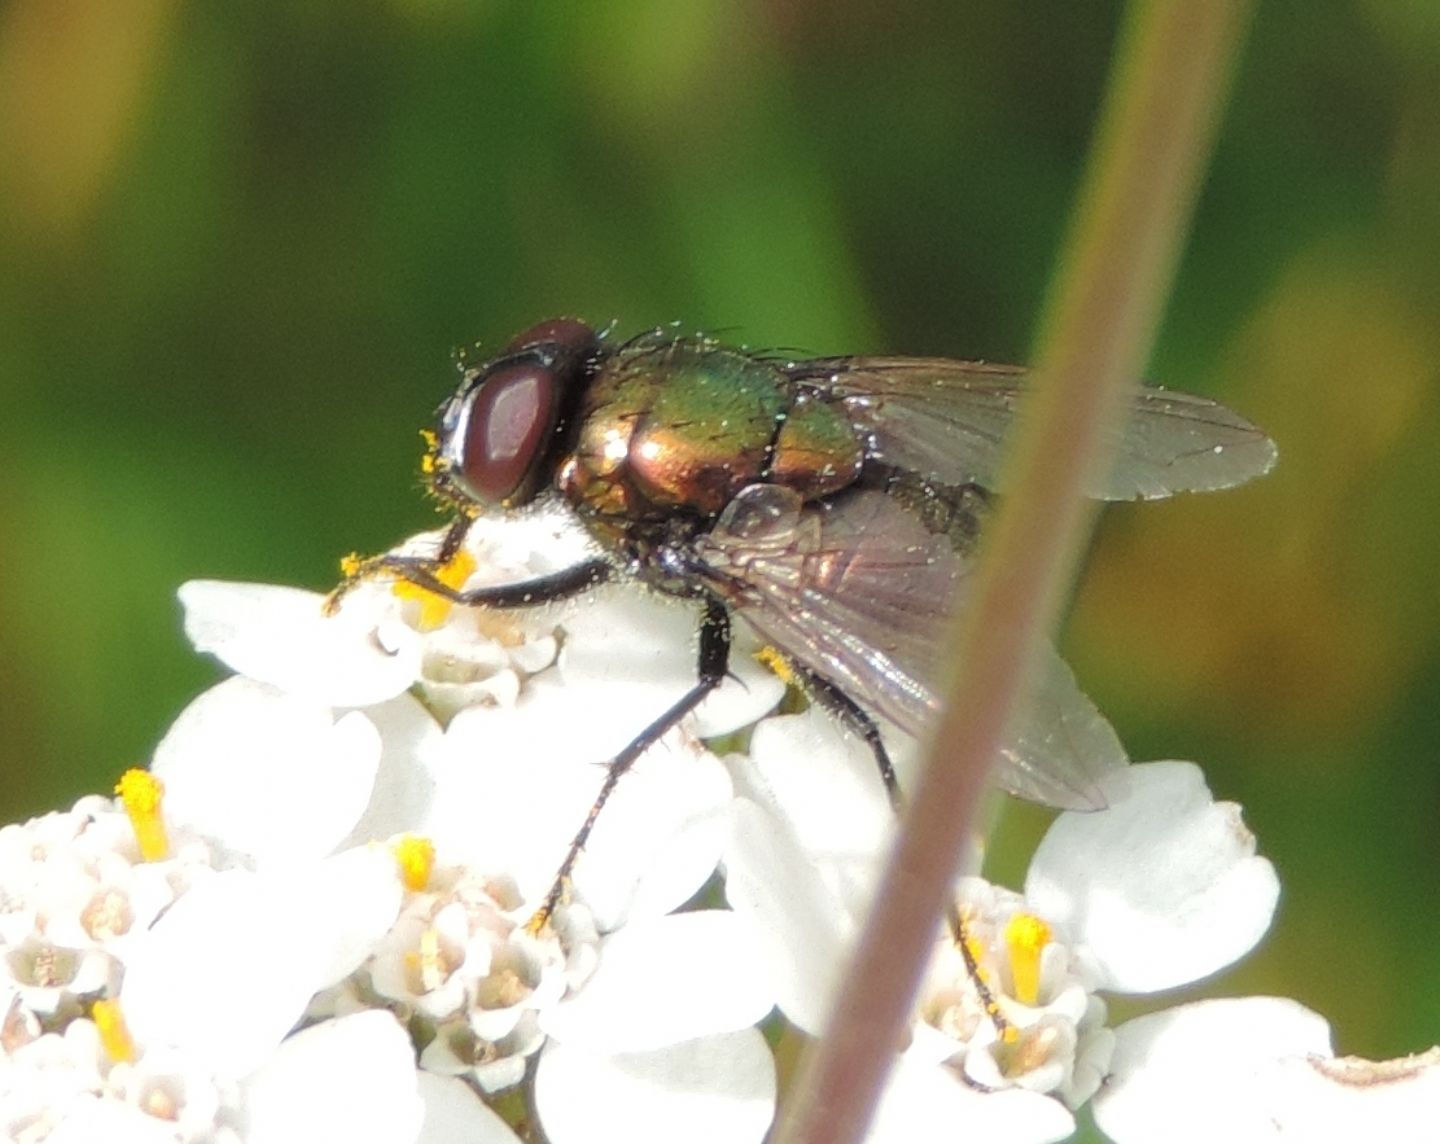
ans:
(238, 243)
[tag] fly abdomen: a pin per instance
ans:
(817, 451)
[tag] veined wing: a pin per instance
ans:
(947, 421)
(857, 590)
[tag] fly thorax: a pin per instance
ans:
(595, 478)
(709, 430)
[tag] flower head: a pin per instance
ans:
(320, 912)
(1109, 902)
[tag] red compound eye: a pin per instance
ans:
(496, 433)
(511, 414)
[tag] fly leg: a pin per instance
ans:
(712, 667)
(714, 661)
(409, 568)
(713, 664)
(854, 717)
(424, 572)
(859, 722)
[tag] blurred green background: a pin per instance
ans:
(238, 243)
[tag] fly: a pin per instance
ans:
(830, 504)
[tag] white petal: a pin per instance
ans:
(666, 980)
(924, 1103)
(454, 1114)
(88, 1119)
(169, 1081)
(581, 723)
(717, 1090)
(1163, 886)
(282, 637)
(801, 930)
(412, 749)
(1348, 1098)
(350, 1079)
(630, 637)
(353, 899)
(659, 838)
(265, 773)
(1215, 1070)
(501, 807)
(824, 784)
(230, 967)
(544, 538)
(628, 633)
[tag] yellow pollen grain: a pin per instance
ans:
(430, 459)
(773, 659)
(976, 948)
(115, 1038)
(416, 858)
(434, 608)
(1026, 936)
(142, 794)
(350, 565)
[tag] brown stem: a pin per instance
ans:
(1154, 137)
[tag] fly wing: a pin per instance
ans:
(856, 590)
(947, 420)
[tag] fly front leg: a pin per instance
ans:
(713, 663)
(547, 589)
(425, 572)
(421, 570)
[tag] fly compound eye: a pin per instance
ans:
(570, 336)
(504, 432)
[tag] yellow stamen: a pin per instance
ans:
(416, 858)
(115, 1038)
(1027, 936)
(142, 794)
(430, 963)
(435, 608)
(350, 565)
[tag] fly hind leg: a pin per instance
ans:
(858, 722)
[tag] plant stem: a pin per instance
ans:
(1155, 135)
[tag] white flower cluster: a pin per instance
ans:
(316, 915)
